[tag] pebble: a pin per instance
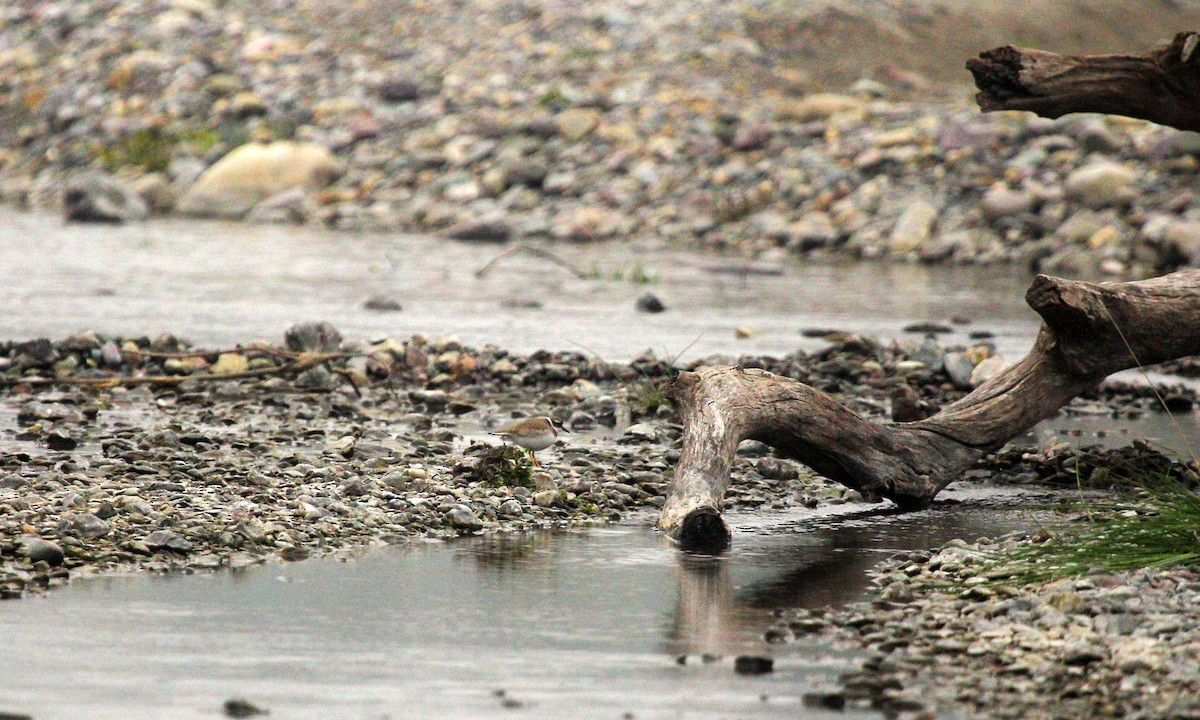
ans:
(649, 303)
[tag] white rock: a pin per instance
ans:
(913, 228)
(254, 172)
(1101, 184)
(988, 369)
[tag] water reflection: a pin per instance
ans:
(724, 602)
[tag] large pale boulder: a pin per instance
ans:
(254, 172)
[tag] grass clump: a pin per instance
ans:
(1155, 525)
(503, 466)
(636, 275)
(646, 397)
(152, 148)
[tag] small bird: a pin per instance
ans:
(533, 434)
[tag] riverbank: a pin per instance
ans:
(150, 454)
(948, 642)
(703, 125)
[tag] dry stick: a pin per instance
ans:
(296, 366)
(204, 353)
(536, 252)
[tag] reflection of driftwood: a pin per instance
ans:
(536, 252)
(1162, 85)
(295, 367)
(1090, 331)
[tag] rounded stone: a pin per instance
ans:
(37, 549)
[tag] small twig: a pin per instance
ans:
(296, 366)
(205, 353)
(348, 377)
(536, 252)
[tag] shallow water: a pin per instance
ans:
(583, 624)
(219, 284)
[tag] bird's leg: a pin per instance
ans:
(533, 457)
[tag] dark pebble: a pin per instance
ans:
(649, 303)
(1178, 404)
(753, 665)
(382, 303)
(14, 716)
(825, 701)
(927, 327)
(822, 333)
(57, 442)
(398, 90)
(480, 231)
(238, 708)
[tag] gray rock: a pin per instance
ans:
(312, 337)
(547, 498)
(398, 90)
(959, 367)
(396, 480)
(641, 431)
(167, 540)
(462, 518)
(286, 206)
(93, 197)
(89, 526)
(37, 549)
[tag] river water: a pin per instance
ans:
(219, 284)
(582, 624)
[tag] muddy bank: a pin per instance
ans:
(710, 124)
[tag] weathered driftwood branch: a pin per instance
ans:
(1090, 331)
(1162, 86)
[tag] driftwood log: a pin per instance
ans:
(1162, 86)
(1089, 331)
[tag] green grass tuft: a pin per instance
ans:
(1156, 525)
(504, 465)
(646, 397)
